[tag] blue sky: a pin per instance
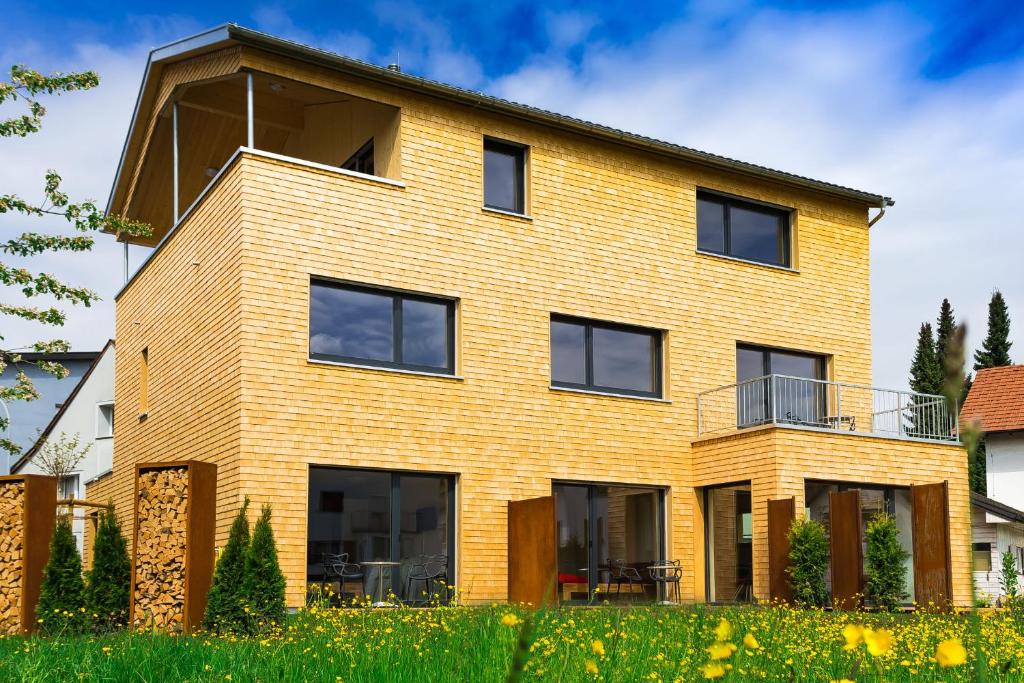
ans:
(923, 101)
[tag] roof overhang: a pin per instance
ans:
(232, 34)
(997, 509)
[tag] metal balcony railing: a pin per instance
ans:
(835, 406)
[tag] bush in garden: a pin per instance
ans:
(1008, 579)
(225, 611)
(263, 585)
(108, 588)
(61, 605)
(808, 562)
(886, 572)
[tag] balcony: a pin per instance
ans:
(804, 403)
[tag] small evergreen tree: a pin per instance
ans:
(808, 562)
(108, 589)
(264, 584)
(925, 371)
(995, 350)
(225, 611)
(1008, 579)
(886, 571)
(61, 603)
(976, 468)
(944, 327)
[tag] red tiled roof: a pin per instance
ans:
(997, 399)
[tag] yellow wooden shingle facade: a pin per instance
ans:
(222, 312)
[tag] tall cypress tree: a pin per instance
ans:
(995, 350)
(225, 611)
(944, 327)
(264, 583)
(61, 603)
(107, 592)
(925, 371)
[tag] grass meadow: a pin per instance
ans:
(500, 643)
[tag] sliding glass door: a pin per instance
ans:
(728, 540)
(380, 516)
(796, 396)
(608, 536)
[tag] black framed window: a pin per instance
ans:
(789, 398)
(621, 359)
(368, 326)
(504, 176)
(746, 230)
(362, 160)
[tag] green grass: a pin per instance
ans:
(478, 644)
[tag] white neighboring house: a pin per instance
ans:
(997, 401)
(89, 412)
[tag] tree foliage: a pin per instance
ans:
(1008, 575)
(886, 572)
(108, 588)
(225, 609)
(995, 350)
(60, 456)
(808, 562)
(84, 219)
(264, 583)
(61, 605)
(925, 372)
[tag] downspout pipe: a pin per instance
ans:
(881, 212)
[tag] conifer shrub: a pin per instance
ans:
(107, 591)
(225, 611)
(808, 562)
(264, 583)
(61, 606)
(886, 572)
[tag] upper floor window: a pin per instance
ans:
(362, 160)
(504, 176)
(745, 230)
(104, 420)
(605, 357)
(368, 326)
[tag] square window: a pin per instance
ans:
(504, 171)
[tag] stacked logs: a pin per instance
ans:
(12, 503)
(160, 549)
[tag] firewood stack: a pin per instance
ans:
(12, 541)
(160, 549)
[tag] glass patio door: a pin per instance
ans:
(728, 542)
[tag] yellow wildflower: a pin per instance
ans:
(721, 650)
(510, 619)
(751, 642)
(854, 636)
(724, 630)
(714, 670)
(950, 653)
(878, 642)
(598, 648)
(591, 666)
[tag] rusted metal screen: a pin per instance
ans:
(780, 517)
(932, 578)
(532, 550)
(845, 544)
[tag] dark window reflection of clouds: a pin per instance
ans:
(351, 324)
(424, 333)
(623, 360)
(568, 352)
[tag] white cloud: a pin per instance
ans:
(836, 98)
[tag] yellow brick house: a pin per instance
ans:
(424, 323)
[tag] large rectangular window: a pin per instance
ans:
(504, 176)
(745, 230)
(366, 326)
(402, 520)
(605, 357)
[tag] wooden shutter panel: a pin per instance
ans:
(532, 550)
(845, 545)
(780, 517)
(932, 571)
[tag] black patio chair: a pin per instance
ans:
(430, 570)
(338, 568)
(619, 573)
(668, 574)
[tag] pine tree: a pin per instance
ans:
(61, 605)
(995, 350)
(264, 583)
(944, 327)
(109, 584)
(925, 371)
(976, 469)
(886, 571)
(225, 611)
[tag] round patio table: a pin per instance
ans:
(381, 565)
